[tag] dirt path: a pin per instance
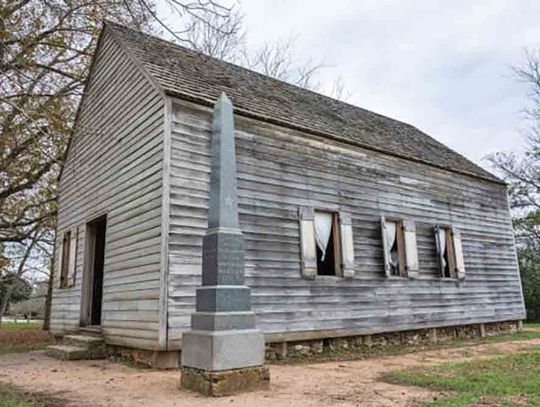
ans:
(354, 383)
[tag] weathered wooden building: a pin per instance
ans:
(354, 223)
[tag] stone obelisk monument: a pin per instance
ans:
(223, 353)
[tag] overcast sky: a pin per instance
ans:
(443, 66)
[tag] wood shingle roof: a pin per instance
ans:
(190, 75)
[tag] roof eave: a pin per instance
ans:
(247, 113)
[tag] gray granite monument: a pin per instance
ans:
(223, 353)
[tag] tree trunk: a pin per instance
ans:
(48, 301)
(47, 317)
(4, 302)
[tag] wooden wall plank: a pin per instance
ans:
(114, 167)
(278, 171)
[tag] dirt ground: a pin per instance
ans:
(352, 383)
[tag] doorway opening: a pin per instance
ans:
(93, 273)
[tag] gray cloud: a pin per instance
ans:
(443, 66)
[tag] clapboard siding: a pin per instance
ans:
(281, 169)
(114, 167)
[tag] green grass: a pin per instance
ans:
(12, 397)
(534, 325)
(9, 401)
(519, 336)
(20, 325)
(508, 380)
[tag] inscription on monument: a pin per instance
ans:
(224, 256)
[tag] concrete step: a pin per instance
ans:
(78, 347)
(84, 341)
(67, 352)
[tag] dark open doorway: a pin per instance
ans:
(93, 278)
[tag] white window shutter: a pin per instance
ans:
(347, 245)
(307, 242)
(411, 250)
(386, 249)
(458, 253)
(72, 258)
(59, 262)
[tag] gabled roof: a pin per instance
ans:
(190, 75)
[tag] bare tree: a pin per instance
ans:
(529, 73)
(522, 172)
(197, 15)
(220, 36)
(277, 59)
(45, 53)
(225, 38)
(338, 90)
(44, 58)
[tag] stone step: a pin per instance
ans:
(84, 341)
(67, 352)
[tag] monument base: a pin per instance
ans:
(225, 382)
(222, 350)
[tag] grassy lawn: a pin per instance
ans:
(518, 336)
(533, 325)
(21, 325)
(502, 381)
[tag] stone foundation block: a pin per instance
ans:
(357, 341)
(156, 359)
(498, 328)
(166, 360)
(446, 334)
(482, 329)
(317, 346)
(281, 350)
(368, 341)
(411, 338)
(226, 382)
(433, 335)
(416, 337)
(341, 343)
